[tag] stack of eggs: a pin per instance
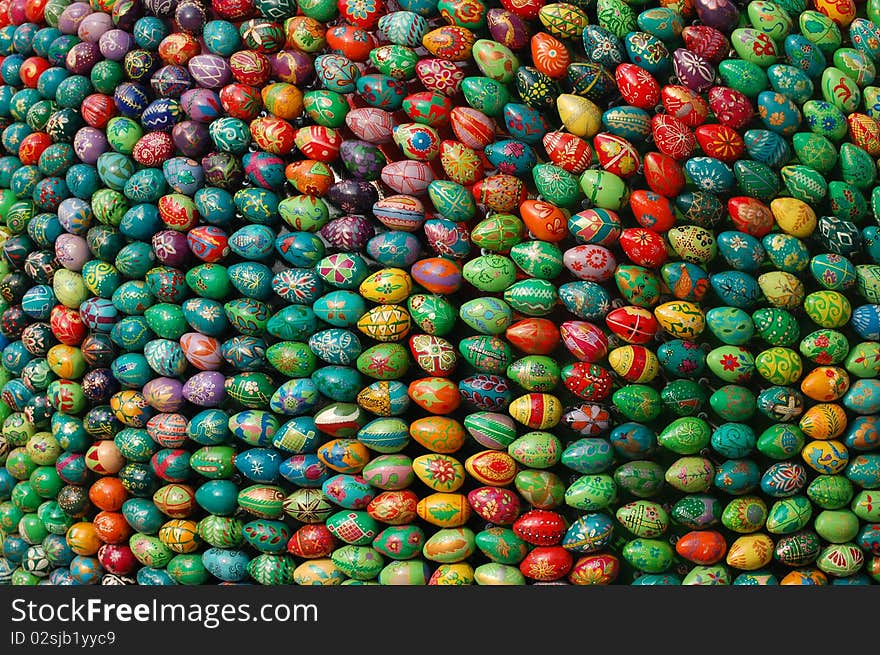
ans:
(439, 292)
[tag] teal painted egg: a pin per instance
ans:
(736, 288)
(663, 22)
(685, 280)
(343, 270)
(733, 440)
(143, 515)
(737, 477)
(731, 325)
(766, 147)
(710, 174)
(293, 323)
(825, 119)
(511, 156)
(632, 441)
(452, 200)
(787, 252)
(253, 242)
(680, 358)
(586, 300)
(740, 250)
(863, 397)
(783, 479)
(590, 533)
(647, 51)
(300, 249)
(253, 427)
(251, 279)
(298, 396)
(833, 271)
(304, 470)
(630, 123)
(219, 497)
(589, 456)
(791, 82)
(779, 113)
(340, 308)
(340, 383)
(805, 55)
(132, 297)
(298, 435)
(864, 470)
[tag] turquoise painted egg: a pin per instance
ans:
(781, 403)
(681, 359)
(663, 22)
(590, 533)
(863, 397)
(595, 226)
(135, 444)
(266, 536)
(258, 464)
(253, 242)
(630, 123)
(336, 346)
(767, 147)
(733, 440)
(251, 279)
(340, 383)
(340, 308)
(737, 476)
(586, 300)
(866, 321)
(308, 472)
(783, 479)
(603, 47)
(632, 441)
(511, 156)
(293, 323)
(791, 82)
(710, 174)
(205, 316)
(736, 288)
(525, 123)
(731, 325)
(862, 433)
(298, 435)
(216, 207)
(348, 491)
(143, 515)
(833, 271)
(381, 91)
(864, 470)
(218, 497)
(132, 297)
(686, 281)
(298, 396)
(209, 427)
(166, 357)
(300, 286)
(300, 249)
(786, 252)
(647, 51)
(740, 250)
(804, 55)
(779, 113)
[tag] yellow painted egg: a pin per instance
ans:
(794, 217)
(439, 434)
(824, 421)
(385, 323)
(828, 457)
(439, 472)
(634, 363)
(782, 289)
(826, 384)
(681, 319)
(444, 510)
(390, 285)
(539, 411)
(750, 552)
(492, 467)
(460, 573)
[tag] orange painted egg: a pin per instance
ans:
(703, 547)
(534, 336)
(550, 55)
(435, 394)
(824, 421)
(826, 383)
(545, 221)
(450, 42)
(504, 193)
(444, 510)
(310, 177)
(394, 507)
(439, 434)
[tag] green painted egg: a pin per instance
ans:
(733, 402)
(691, 474)
(789, 515)
(433, 314)
(686, 435)
(536, 449)
(292, 359)
(638, 402)
(499, 233)
(744, 515)
(643, 479)
(863, 360)
(501, 545)
(824, 347)
(213, 462)
(532, 297)
(535, 373)
(776, 326)
(540, 259)
(384, 361)
(400, 542)
(449, 545)
(591, 492)
(779, 365)
(828, 309)
(648, 555)
(541, 489)
(643, 518)
(781, 441)
(269, 569)
(837, 526)
(358, 562)
(696, 511)
(830, 491)
(815, 151)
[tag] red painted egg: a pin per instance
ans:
(67, 325)
(673, 137)
(168, 430)
(534, 336)
(208, 242)
(598, 569)
(584, 340)
(637, 86)
(408, 177)
(731, 107)
(361, 14)
(527, 9)
(202, 351)
(273, 134)
(472, 127)
(633, 324)
(643, 247)
(663, 174)
(550, 55)
(250, 67)
(750, 215)
(651, 210)
(435, 394)
(437, 275)
(371, 124)
(318, 142)
(706, 41)
(394, 507)
(685, 104)
(616, 154)
(97, 109)
(588, 381)
(440, 75)
(546, 563)
(540, 527)
(353, 42)
(568, 151)
(495, 504)
(311, 541)
(504, 193)
(703, 547)
(720, 141)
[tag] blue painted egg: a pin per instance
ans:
(804, 55)
(297, 396)
(143, 515)
(38, 302)
(115, 169)
(866, 322)
(631, 441)
(589, 533)
(862, 433)
(783, 479)
(258, 464)
(394, 248)
(790, 81)
(340, 308)
(737, 476)
(686, 281)
(736, 288)
(153, 577)
(304, 470)
(226, 564)
(184, 175)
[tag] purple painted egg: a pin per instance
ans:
(292, 66)
(590, 262)
(94, 26)
(114, 44)
(363, 160)
(171, 247)
(348, 232)
(205, 389)
(209, 71)
(99, 384)
(171, 81)
(71, 251)
(89, 144)
(164, 394)
(353, 196)
(202, 105)
(72, 16)
(81, 57)
(191, 138)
